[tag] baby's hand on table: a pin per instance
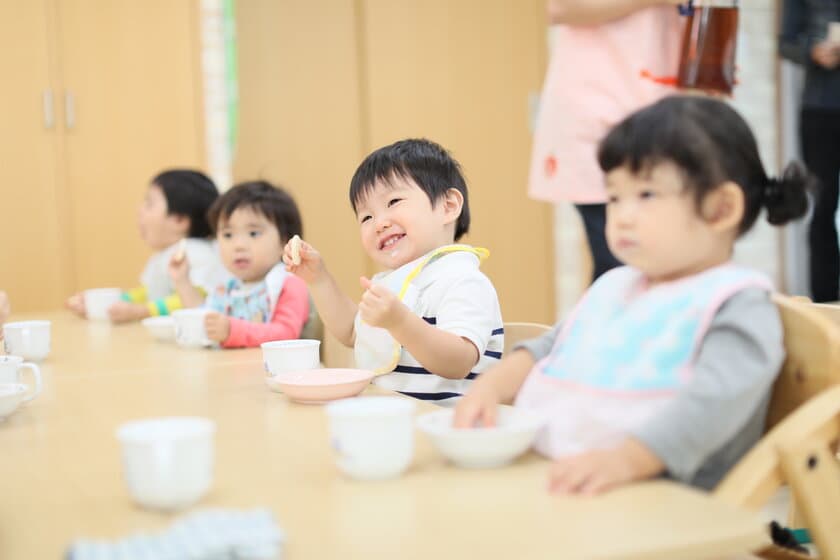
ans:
(76, 304)
(598, 470)
(217, 326)
(5, 310)
(5, 307)
(379, 307)
(476, 409)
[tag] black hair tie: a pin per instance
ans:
(772, 189)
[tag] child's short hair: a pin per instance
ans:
(711, 144)
(188, 193)
(262, 197)
(428, 164)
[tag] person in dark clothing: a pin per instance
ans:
(805, 41)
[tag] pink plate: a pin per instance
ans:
(320, 385)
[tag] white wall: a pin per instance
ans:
(755, 99)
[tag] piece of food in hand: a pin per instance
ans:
(182, 250)
(295, 247)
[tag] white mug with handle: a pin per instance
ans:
(11, 368)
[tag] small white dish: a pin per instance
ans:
(162, 328)
(482, 448)
(317, 386)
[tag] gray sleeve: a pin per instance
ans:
(738, 361)
(540, 347)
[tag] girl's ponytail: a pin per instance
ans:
(786, 197)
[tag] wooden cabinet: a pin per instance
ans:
(124, 78)
(32, 267)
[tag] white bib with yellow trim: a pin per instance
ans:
(375, 349)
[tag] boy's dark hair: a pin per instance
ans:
(428, 164)
(711, 144)
(262, 197)
(188, 193)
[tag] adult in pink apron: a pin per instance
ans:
(599, 73)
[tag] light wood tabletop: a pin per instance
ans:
(61, 476)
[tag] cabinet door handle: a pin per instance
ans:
(49, 110)
(69, 110)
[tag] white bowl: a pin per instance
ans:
(162, 328)
(482, 448)
(168, 462)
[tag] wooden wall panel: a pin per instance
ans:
(32, 269)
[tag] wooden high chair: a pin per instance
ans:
(799, 451)
(517, 332)
(810, 374)
(828, 310)
(812, 345)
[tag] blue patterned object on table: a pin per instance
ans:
(215, 534)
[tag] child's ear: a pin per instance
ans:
(723, 208)
(181, 222)
(453, 203)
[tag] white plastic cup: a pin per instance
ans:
(373, 437)
(27, 339)
(168, 462)
(281, 356)
(189, 328)
(11, 368)
(99, 300)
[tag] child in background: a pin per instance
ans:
(665, 366)
(431, 322)
(173, 211)
(262, 302)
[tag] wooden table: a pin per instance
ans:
(61, 478)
